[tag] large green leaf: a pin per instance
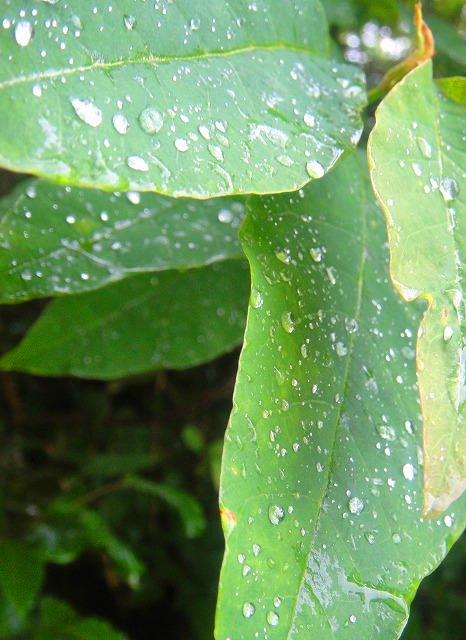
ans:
(321, 490)
(147, 322)
(57, 240)
(197, 100)
(21, 574)
(417, 156)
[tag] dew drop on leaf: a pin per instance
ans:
(355, 505)
(23, 33)
(151, 120)
(276, 514)
(449, 189)
(315, 169)
(87, 111)
(137, 163)
(273, 618)
(248, 609)
(256, 299)
(409, 471)
(120, 122)
(288, 322)
(181, 144)
(130, 22)
(194, 24)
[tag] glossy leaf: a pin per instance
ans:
(58, 240)
(321, 488)
(21, 574)
(417, 160)
(185, 100)
(147, 322)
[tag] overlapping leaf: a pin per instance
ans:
(418, 157)
(147, 322)
(183, 99)
(57, 240)
(322, 474)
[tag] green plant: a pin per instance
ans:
(195, 122)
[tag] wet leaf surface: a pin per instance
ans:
(321, 489)
(417, 155)
(183, 100)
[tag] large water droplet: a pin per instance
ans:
(216, 152)
(448, 333)
(315, 169)
(409, 471)
(120, 122)
(137, 163)
(151, 120)
(276, 514)
(449, 189)
(248, 609)
(23, 33)
(309, 119)
(87, 111)
(273, 618)
(355, 505)
(288, 322)
(181, 144)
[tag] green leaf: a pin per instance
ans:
(147, 322)
(21, 574)
(189, 100)
(417, 157)
(58, 240)
(321, 490)
(189, 509)
(58, 620)
(447, 40)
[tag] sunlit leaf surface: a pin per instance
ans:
(57, 240)
(168, 320)
(418, 157)
(321, 491)
(178, 97)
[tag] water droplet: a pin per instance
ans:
(396, 538)
(341, 349)
(205, 132)
(194, 24)
(134, 197)
(137, 163)
(315, 169)
(417, 169)
(181, 144)
(84, 276)
(37, 90)
(286, 161)
(309, 119)
(120, 122)
(87, 111)
(283, 256)
(70, 219)
(355, 505)
(352, 619)
(424, 147)
(130, 22)
(448, 333)
(214, 151)
(316, 254)
(151, 120)
(248, 609)
(26, 275)
(256, 549)
(448, 521)
(225, 216)
(23, 33)
(287, 321)
(386, 432)
(276, 514)
(277, 602)
(449, 189)
(256, 299)
(241, 558)
(370, 537)
(273, 618)
(409, 471)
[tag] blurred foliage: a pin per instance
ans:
(109, 523)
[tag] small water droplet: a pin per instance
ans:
(448, 333)
(273, 618)
(248, 609)
(449, 189)
(424, 147)
(134, 197)
(309, 119)
(120, 122)
(316, 254)
(137, 163)
(417, 169)
(355, 505)
(448, 521)
(288, 322)
(277, 602)
(256, 299)
(214, 151)
(151, 120)
(130, 22)
(37, 90)
(315, 169)
(276, 514)
(26, 275)
(409, 471)
(256, 549)
(370, 537)
(396, 538)
(194, 24)
(341, 349)
(70, 219)
(225, 216)
(283, 256)
(23, 33)
(352, 619)
(386, 432)
(181, 144)
(87, 111)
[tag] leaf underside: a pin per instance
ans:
(321, 490)
(417, 160)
